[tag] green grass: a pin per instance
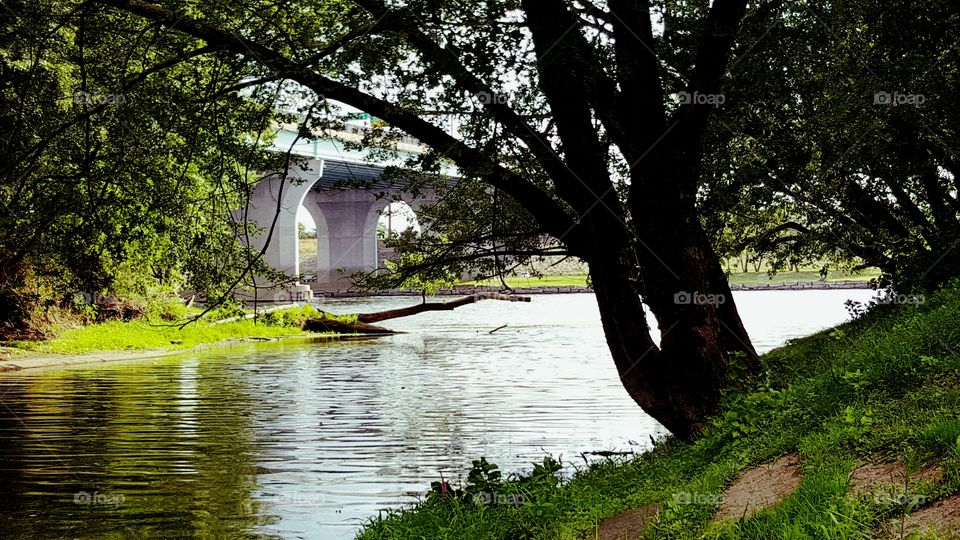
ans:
(160, 335)
(883, 387)
(531, 282)
(804, 276)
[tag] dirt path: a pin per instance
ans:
(760, 487)
(889, 479)
(941, 518)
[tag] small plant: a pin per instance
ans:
(483, 477)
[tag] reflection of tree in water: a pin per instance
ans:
(162, 450)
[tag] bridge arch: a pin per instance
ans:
(344, 199)
(273, 205)
(398, 202)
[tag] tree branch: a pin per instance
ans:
(638, 72)
(710, 67)
(560, 67)
(363, 323)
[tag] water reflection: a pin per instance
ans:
(294, 440)
(159, 451)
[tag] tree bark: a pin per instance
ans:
(704, 347)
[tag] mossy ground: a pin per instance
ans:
(884, 387)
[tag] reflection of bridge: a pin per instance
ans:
(345, 197)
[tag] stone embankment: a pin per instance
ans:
(464, 290)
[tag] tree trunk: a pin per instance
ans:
(679, 382)
(327, 324)
(704, 347)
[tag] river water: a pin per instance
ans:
(307, 440)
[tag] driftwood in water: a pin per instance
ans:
(363, 326)
(325, 324)
(440, 306)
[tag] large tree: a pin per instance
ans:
(576, 118)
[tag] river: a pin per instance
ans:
(308, 440)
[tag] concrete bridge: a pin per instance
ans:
(344, 194)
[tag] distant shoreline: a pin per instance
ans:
(473, 289)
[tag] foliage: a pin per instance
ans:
(121, 158)
(838, 140)
(426, 279)
(302, 231)
(290, 317)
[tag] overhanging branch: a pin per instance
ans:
(473, 162)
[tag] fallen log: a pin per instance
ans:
(363, 326)
(437, 306)
(326, 324)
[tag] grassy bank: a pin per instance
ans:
(160, 334)
(885, 387)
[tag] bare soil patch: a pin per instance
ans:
(890, 478)
(760, 487)
(941, 519)
(629, 525)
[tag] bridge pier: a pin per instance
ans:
(346, 238)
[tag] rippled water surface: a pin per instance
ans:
(307, 440)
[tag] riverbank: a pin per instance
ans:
(117, 341)
(850, 433)
(465, 290)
